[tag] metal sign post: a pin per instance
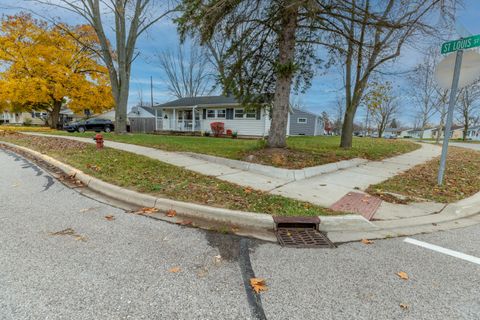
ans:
(448, 125)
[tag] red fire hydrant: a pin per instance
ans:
(99, 139)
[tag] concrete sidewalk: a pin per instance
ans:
(323, 190)
(327, 189)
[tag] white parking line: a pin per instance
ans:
(449, 252)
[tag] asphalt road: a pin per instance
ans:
(61, 259)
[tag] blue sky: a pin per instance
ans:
(322, 96)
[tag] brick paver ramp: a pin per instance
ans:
(360, 203)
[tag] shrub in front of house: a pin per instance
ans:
(218, 128)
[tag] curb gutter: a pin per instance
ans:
(343, 228)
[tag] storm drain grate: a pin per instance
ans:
(303, 238)
(300, 232)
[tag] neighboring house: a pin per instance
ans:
(20, 118)
(67, 116)
(473, 133)
(108, 115)
(142, 119)
(392, 132)
(304, 123)
(197, 113)
(456, 132)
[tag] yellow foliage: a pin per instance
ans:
(46, 66)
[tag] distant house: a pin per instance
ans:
(108, 115)
(142, 119)
(473, 133)
(304, 123)
(21, 118)
(197, 113)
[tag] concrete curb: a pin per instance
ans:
(280, 173)
(339, 228)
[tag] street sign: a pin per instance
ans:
(461, 44)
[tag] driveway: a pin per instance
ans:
(60, 258)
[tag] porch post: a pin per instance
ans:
(193, 119)
(174, 120)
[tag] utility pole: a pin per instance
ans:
(151, 91)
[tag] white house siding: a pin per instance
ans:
(244, 127)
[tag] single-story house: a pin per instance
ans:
(456, 132)
(19, 118)
(109, 115)
(197, 113)
(142, 119)
(304, 123)
(473, 133)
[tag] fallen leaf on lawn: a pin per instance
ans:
(248, 190)
(174, 270)
(171, 213)
(110, 217)
(403, 306)
(258, 284)
(402, 275)
(366, 241)
(146, 211)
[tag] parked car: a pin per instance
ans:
(96, 125)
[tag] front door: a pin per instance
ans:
(166, 122)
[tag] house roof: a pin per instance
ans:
(195, 101)
(141, 112)
(205, 100)
(293, 109)
(392, 130)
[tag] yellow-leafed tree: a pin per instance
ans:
(44, 67)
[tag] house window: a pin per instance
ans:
(221, 113)
(210, 113)
(238, 113)
(302, 120)
(251, 114)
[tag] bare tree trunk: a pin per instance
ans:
(55, 114)
(285, 72)
(347, 129)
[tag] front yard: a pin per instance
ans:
(154, 177)
(462, 179)
(301, 152)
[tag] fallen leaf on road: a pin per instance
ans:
(403, 306)
(402, 275)
(171, 213)
(174, 270)
(366, 241)
(110, 217)
(258, 284)
(146, 211)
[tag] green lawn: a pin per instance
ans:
(462, 179)
(160, 179)
(302, 151)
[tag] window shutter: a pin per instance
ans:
(204, 114)
(229, 113)
(259, 113)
